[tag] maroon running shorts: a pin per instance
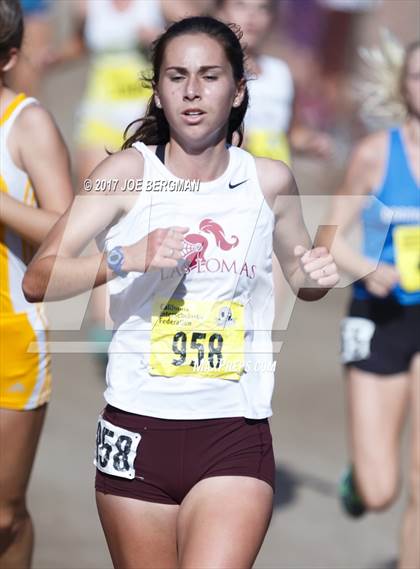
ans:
(173, 455)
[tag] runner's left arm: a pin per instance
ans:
(310, 272)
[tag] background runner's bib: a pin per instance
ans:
(407, 253)
(194, 342)
(267, 143)
(267, 120)
(117, 78)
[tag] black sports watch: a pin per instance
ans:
(115, 259)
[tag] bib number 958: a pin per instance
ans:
(116, 449)
(213, 351)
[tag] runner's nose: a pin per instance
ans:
(192, 89)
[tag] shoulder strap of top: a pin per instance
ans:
(160, 152)
(11, 107)
(397, 152)
(12, 111)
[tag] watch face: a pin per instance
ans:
(115, 257)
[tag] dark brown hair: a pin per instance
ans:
(154, 128)
(11, 28)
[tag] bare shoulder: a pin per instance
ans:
(35, 120)
(121, 165)
(367, 164)
(372, 149)
(111, 176)
(275, 178)
(127, 162)
(34, 137)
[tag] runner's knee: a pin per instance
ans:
(12, 517)
(380, 491)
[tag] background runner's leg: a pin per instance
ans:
(410, 535)
(377, 407)
(19, 435)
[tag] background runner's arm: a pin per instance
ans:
(363, 175)
(74, 47)
(37, 148)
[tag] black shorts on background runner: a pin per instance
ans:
(380, 336)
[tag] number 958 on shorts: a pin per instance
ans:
(197, 338)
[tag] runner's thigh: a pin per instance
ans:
(140, 534)
(223, 521)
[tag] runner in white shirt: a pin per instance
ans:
(185, 465)
(270, 128)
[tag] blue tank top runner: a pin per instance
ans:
(397, 203)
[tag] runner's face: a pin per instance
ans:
(412, 83)
(196, 89)
(253, 16)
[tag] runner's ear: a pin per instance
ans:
(157, 101)
(240, 92)
(11, 60)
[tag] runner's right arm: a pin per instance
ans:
(363, 176)
(57, 271)
(74, 47)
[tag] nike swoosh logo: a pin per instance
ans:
(232, 186)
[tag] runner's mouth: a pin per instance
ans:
(193, 116)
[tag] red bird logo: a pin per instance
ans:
(195, 244)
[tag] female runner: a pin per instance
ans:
(35, 189)
(185, 466)
(381, 335)
(270, 127)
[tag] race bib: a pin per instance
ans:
(268, 144)
(407, 255)
(118, 82)
(356, 337)
(197, 338)
(116, 450)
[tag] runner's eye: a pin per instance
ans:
(211, 77)
(176, 78)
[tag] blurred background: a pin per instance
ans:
(319, 41)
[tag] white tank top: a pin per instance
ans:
(271, 97)
(15, 252)
(109, 29)
(219, 307)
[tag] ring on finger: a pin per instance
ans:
(171, 252)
